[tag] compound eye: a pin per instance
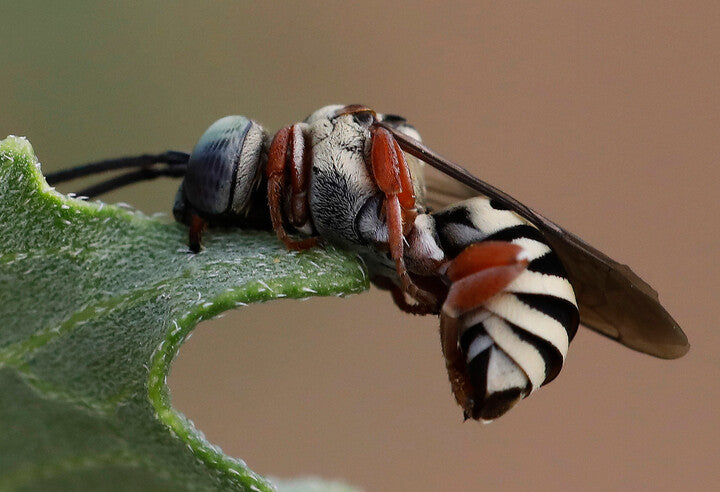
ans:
(224, 166)
(361, 114)
(364, 118)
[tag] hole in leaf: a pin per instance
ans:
(324, 386)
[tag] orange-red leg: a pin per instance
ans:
(479, 272)
(197, 226)
(455, 363)
(392, 176)
(287, 150)
(398, 297)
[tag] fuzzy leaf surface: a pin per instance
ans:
(95, 301)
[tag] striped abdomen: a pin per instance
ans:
(501, 351)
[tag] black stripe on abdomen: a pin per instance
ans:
(561, 310)
(548, 264)
(511, 233)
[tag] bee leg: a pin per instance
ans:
(392, 176)
(197, 226)
(398, 297)
(288, 149)
(479, 272)
(455, 363)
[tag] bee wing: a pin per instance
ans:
(612, 299)
(442, 191)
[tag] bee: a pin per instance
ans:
(510, 287)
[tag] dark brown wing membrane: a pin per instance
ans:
(442, 191)
(612, 299)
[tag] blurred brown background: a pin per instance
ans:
(606, 119)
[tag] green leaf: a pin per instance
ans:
(95, 301)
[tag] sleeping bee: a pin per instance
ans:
(510, 287)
